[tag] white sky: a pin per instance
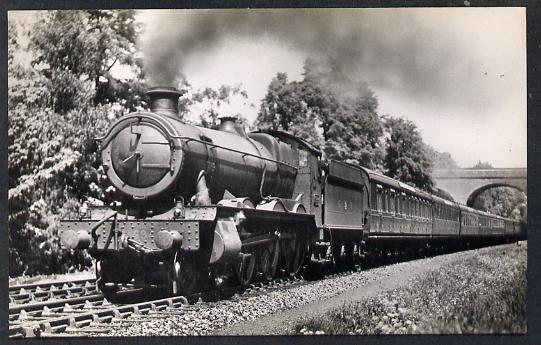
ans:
(465, 88)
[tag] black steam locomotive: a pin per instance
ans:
(200, 208)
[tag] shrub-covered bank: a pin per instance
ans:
(483, 294)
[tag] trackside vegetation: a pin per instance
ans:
(483, 294)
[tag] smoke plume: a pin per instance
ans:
(390, 49)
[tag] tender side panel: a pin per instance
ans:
(345, 196)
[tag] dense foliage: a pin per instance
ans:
(76, 50)
(440, 160)
(503, 201)
(56, 107)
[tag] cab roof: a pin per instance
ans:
(281, 134)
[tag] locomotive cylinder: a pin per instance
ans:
(149, 155)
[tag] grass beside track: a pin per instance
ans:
(483, 294)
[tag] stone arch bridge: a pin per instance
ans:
(465, 185)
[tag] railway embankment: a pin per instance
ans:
(485, 293)
(476, 291)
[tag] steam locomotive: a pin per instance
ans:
(199, 208)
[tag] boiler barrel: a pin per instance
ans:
(150, 156)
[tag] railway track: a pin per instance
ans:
(94, 315)
(30, 293)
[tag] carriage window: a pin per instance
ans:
(303, 158)
(379, 201)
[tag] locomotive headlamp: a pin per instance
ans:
(177, 212)
(83, 210)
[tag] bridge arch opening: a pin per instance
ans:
(505, 202)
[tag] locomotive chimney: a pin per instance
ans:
(229, 124)
(164, 100)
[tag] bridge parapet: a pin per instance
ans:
(465, 184)
(496, 173)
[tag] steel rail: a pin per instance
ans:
(14, 288)
(55, 325)
(54, 293)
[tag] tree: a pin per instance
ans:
(406, 158)
(328, 108)
(210, 102)
(503, 201)
(76, 50)
(204, 107)
(55, 111)
(482, 165)
(440, 160)
(285, 108)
